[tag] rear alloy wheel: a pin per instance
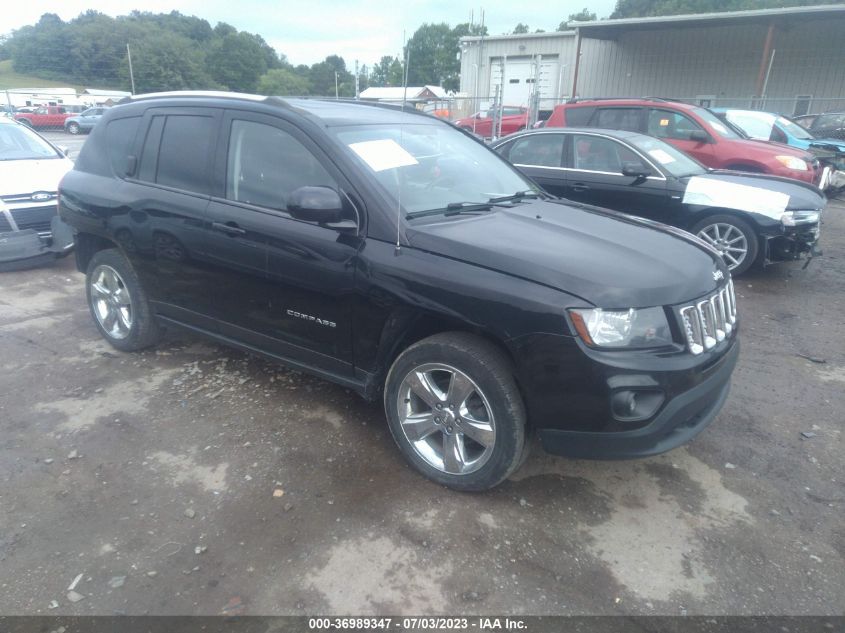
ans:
(118, 303)
(732, 238)
(73, 128)
(455, 412)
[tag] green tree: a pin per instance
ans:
(322, 77)
(434, 54)
(166, 61)
(584, 15)
(520, 28)
(42, 49)
(388, 71)
(283, 81)
(236, 61)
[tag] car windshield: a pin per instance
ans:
(20, 143)
(793, 129)
(670, 159)
(713, 121)
(425, 166)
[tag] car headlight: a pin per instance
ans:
(794, 218)
(792, 162)
(645, 327)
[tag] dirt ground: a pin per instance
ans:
(191, 479)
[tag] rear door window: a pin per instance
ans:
(176, 151)
(183, 153)
(618, 119)
(542, 150)
(579, 117)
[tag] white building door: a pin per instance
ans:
(520, 76)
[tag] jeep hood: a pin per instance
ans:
(610, 259)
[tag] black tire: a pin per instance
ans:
(492, 372)
(144, 331)
(753, 245)
(73, 128)
(25, 122)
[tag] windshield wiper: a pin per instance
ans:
(454, 208)
(519, 195)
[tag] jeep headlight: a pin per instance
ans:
(646, 327)
(794, 218)
(793, 162)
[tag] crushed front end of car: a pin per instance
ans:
(797, 237)
(31, 234)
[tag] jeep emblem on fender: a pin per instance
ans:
(717, 275)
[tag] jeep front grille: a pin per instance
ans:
(711, 320)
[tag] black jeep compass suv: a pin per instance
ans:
(396, 255)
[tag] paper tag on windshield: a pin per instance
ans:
(661, 156)
(383, 154)
(718, 193)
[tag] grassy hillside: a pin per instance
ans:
(10, 79)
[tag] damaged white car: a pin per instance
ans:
(30, 170)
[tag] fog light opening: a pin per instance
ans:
(629, 405)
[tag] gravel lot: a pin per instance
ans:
(191, 479)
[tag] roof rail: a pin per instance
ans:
(656, 99)
(407, 107)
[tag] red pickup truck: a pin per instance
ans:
(44, 117)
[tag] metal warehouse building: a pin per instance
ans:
(790, 60)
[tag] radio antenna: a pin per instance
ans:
(407, 52)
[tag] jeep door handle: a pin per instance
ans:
(579, 186)
(230, 228)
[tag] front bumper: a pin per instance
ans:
(791, 244)
(680, 419)
(29, 248)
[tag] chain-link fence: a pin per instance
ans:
(486, 117)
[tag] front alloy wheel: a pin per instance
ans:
(73, 128)
(732, 238)
(455, 411)
(446, 418)
(728, 240)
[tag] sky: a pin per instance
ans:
(309, 31)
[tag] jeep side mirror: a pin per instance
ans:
(317, 204)
(700, 136)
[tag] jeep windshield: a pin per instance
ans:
(19, 143)
(434, 167)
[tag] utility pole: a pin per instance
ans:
(335, 86)
(131, 74)
(357, 81)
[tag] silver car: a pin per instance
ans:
(83, 122)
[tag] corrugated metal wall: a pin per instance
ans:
(721, 62)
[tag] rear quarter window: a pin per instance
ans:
(120, 137)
